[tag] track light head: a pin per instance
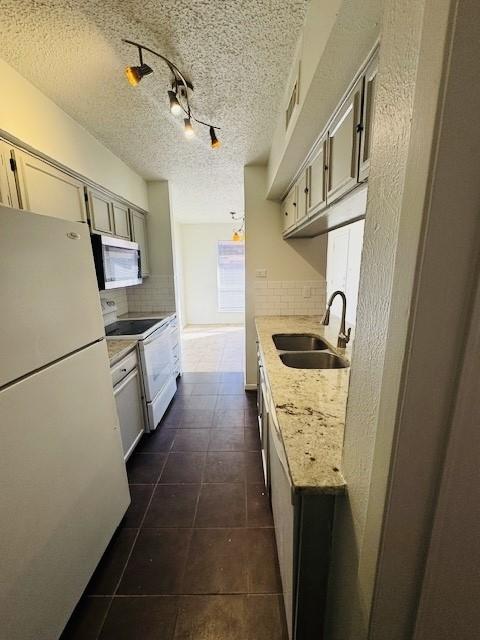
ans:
(188, 129)
(175, 106)
(135, 74)
(215, 142)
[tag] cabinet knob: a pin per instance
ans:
(294, 204)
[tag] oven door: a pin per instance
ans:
(157, 362)
(117, 262)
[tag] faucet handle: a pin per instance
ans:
(344, 339)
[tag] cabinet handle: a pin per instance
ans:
(123, 370)
(305, 190)
(294, 204)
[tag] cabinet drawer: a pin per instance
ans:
(123, 368)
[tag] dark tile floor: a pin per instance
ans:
(194, 557)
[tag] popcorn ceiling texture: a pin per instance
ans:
(237, 54)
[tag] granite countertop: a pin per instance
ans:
(309, 405)
(119, 348)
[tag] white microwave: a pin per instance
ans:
(117, 262)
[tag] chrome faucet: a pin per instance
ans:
(343, 336)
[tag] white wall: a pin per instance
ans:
(292, 263)
(199, 261)
(29, 115)
(344, 256)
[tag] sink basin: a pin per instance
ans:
(313, 360)
(298, 342)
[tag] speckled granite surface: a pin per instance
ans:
(309, 405)
(119, 348)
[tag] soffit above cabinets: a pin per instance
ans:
(237, 55)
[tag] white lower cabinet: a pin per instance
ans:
(283, 515)
(128, 398)
(303, 527)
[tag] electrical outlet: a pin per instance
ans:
(307, 292)
(261, 273)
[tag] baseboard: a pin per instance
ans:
(250, 387)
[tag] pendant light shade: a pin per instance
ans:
(215, 142)
(135, 74)
(188, 129)
(175, 107)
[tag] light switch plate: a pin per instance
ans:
(261, 273)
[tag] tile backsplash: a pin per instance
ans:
(119, 296)
(289, 297)
(156, 293)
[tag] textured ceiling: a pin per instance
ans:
(237, 53)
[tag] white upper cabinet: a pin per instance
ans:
(8, 187)
(138, 228)
(47, 190)
(100, 212)
(369, 88)
(121, 221)
(289, 208)
(343, 145)
(302, 193)
(317, 192)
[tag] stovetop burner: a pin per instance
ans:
(130, 327)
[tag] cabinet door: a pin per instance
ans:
(369, 89)
(121, 223)
(343, 146)
(138, 229)
(302, 194)
(317, 193)
(8, 187)
(284, 520)
(289, 208)
(100, 212)
(128, 399)
(47, 190)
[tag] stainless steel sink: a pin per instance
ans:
(298, 342)
(313, 360)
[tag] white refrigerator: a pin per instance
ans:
(63, 485)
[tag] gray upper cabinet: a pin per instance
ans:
(302, 194)
(47, 190)
(369, 88)
(138, 228)
(121, 220)
(100, 212)
(289, 209)
(343, 145)
(8, 187)
(317, 187)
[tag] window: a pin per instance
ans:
(231, 276)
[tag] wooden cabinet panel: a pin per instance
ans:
(343, 146)
(138, 227)
(284, 520)
(289, 208)
(302, 193)
(100, 212)
(369, 89)
(317, 195)
(47, 190)
(121, 221)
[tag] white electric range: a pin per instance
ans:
(157, 359)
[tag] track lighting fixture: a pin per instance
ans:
(177, 95)
(175, 106)
(135, 74)
(214, 141)
(188, 129)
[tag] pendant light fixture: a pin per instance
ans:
(238, 235)
(177, 96)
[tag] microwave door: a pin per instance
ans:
(117, 262)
